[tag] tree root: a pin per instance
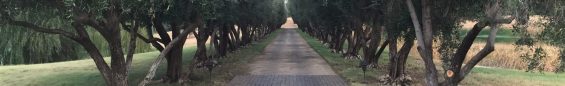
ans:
(402, 80)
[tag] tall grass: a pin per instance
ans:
(506, 55)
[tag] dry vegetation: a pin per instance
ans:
(535, 24)
(480, 76)
(506, 56)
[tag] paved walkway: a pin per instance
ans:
(289, 61)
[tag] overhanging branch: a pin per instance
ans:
(38, 28)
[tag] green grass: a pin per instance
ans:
(71, 73)
(84, 72)
(347, 69)
(478, 77)
(503, 35)
(510, 77)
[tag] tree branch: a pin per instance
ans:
(166, 51)
(425, 53)
(489, 47)
(466, 44)
(154, 41)
(132, 45)
(85, 18)
(128, 29)
(381, 49)
(92, 50)
(39, 28)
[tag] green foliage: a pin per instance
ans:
(535, 61)
(22, 46)
(19, 46)
(102, 45)
(554, 29)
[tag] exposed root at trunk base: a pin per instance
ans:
(403, 80)
(338, 51)
(352, 57)
(166, 79)
(372, 65)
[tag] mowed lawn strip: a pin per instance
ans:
(346, 68)
(84, 72)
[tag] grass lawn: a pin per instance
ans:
(502, 36)
(478, 77)
(510, 77)
(84, 72)
(346, 68)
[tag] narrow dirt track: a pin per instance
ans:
(289, 61)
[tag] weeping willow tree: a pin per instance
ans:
(22, 46)
(25, 46)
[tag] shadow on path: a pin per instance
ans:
(289, 61)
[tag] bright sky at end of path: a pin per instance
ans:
(289, 23)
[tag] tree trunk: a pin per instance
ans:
(424, 39)
(457, 71)
(461, 53)
(403, 55)
(131, 47)
(351, 50)
(245, 35)
(359, 40)
(120, 79)
(200, 54)
(393, 54)
(174, 65)
(381, 50)
(340, 43)
(562, 57)
(201, 38)
(164, 53)
(223, 40)
(372, 44)
(98, 60)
